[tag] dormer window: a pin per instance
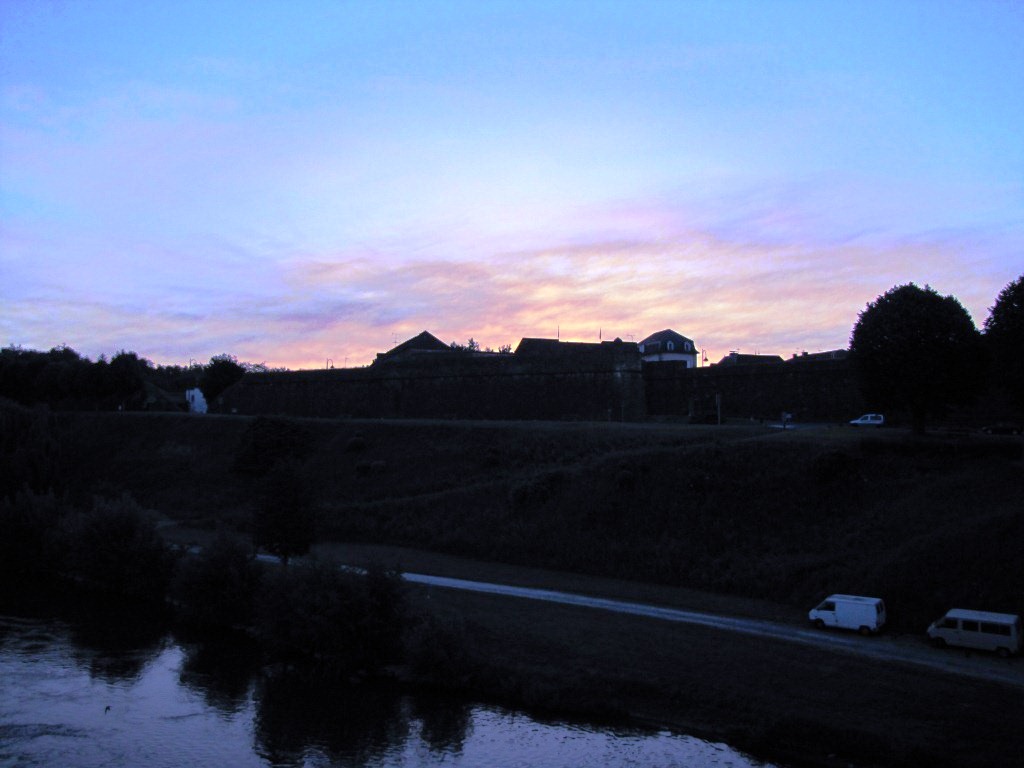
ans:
(671, 345)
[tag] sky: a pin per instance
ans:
(308, 183)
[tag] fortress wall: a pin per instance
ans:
(812, 390)
(596, 384)
(586, 385)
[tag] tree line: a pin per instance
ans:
(65, 380)
(919, 353)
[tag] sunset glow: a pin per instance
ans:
(294, 183)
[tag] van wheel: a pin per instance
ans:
(865, 631)
(1003, 653)
(819, 624)
(939, 642)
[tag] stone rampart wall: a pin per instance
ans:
(813, 390)
(604, 385)
(598, 387)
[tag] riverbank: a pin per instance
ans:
(790, 703)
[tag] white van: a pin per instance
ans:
(999, 632)
(863, 614)
(869, 420)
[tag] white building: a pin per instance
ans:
(667, 345)
(196, 401)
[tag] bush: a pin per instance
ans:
(441, 652)
(340, 622)
(216, 588)
(115, 548)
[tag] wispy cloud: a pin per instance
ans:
(759, 281)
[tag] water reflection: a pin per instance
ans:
(127, 700)
(348, 725)
(112, 641)
(221, 671)
(444, 723)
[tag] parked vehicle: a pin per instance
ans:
(869, 420)
(863, 614)
(999, 632)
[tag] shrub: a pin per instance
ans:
(216, 588)
(441, 651)
(115, 548)
(340, 622)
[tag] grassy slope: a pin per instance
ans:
(787, 517)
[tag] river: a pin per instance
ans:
(81, 695)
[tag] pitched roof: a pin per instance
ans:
(424, 342)
(669, 335)
(735, 358)
(538, 346)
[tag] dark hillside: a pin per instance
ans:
(927, 524)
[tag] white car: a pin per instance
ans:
(869, 420)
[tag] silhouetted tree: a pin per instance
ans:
(221, 372)
(470, 346)
(128, 373)
(284, 520)
(1004, 337)
(217, 587)
(114, 547)
(316, 614)
(917, 351)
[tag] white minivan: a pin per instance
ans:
(869, 420)
(999, 632)
(863, 614)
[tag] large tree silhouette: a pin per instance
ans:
(284, 522)
(916, 351)
(220, 373)
(1004, 337)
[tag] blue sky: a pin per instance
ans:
(291, 182)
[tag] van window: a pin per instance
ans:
(995, 629)
(827, 606)
(970, 626)
(948, 624)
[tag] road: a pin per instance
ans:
(886, 648)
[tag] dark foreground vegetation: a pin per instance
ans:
(313, 617)
(925, 522)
